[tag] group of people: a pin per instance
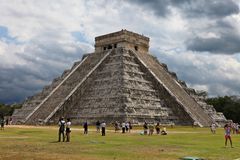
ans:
(101, 126)
(3, 122)
(126, 126)
(235, 128)
(64, 129)
(228, 129)
(149, 129)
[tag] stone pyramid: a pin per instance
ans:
(120, 81)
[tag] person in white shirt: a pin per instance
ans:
(123, 127)
(213, 128)
(68, 130)
(103, 126)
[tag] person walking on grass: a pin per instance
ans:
(145, 128)
(213, 128)
(61, 125)
(227, 129)
(103, 126)
(68, 130)
(116, 126)
(85, 126)
(123, 127)
(98, 124)
(127, 126)
(151, 129)
(157, 127)
(130, 126)
(2, 124)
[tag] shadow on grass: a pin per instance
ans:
(54, 142)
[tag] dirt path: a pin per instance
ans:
(136, 131)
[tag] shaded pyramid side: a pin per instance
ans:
(32, 102)
(187, 102)
(122, 89)
(57, 96)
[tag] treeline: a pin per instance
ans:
(7, 110)
(229, 106)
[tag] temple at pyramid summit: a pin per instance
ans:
(120, 81)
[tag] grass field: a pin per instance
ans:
(36, 143)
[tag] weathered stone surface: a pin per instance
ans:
(119, 83)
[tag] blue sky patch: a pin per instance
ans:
(79, 36)
(5, 36)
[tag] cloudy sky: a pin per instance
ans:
(197, 39)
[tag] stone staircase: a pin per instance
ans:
(58, 95)
(31, 103)
(175, 89)
(118, 88)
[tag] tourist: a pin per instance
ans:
(164, 131)
(7, 121)
(157, 127)
(237, 128)
(85, 126)
(2, 124)
(127, 126)
(151, 129)
(103, 126)
(130, 126)
(213, 128)
(145, 128)
(61, 125)
(68, 130)
(195, 124)
(123, 127)
(98, 126)
(233, 127)
(227, 129)
(10, 121)
(116, 126)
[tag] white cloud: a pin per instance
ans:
(44, 44)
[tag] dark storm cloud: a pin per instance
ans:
(191, 8)
(226, 42)
(208, 76)
(206, 8)
(159, 7)
(44, 62)
(18, 83)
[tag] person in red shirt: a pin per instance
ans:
(227, 129)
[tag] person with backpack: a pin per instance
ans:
(61, 125)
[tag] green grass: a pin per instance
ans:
(40, 143)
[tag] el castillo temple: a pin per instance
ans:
(120, 81)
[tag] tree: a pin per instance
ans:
(229, 106)
(7, 110)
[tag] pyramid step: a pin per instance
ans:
(60, 92)
(175, 89)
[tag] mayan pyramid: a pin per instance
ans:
(120, 81)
